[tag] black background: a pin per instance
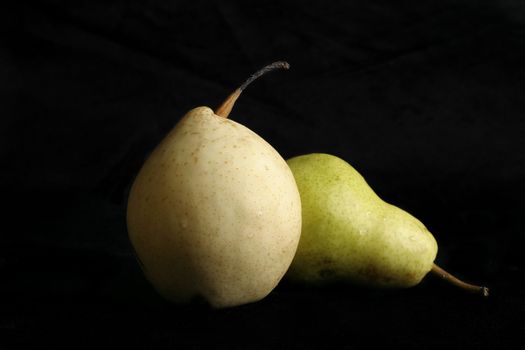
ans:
(425, 99)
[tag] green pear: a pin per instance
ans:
(349, 233)
(214, 211)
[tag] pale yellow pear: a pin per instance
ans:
(215, 212)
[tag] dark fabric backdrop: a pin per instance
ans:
(425, 99)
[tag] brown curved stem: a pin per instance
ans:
(226, 107)
(436, 270)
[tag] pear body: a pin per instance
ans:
(215, 212)
(350, 234)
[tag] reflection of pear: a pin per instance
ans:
(349, 233)
(215, 210)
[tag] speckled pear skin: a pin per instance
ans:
(214, 212)
(350, 234)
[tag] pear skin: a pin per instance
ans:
(350, 234)
(214, 212)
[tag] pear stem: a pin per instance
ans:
(226, 107)
(436, 270)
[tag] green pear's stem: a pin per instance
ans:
(226, 107)
(459, 283)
